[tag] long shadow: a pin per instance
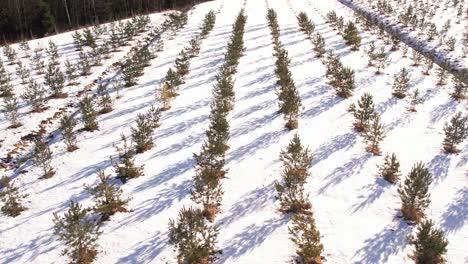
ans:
(443, 110)
(160, 202)
(337, 143)
(372, 192)
(439, 167)
(257, 144)
(147, 250)
(180, 127)
(339, 174)
(251, 202)
(171, 171)
(324, 105)
(260, 106)
(37, 247)
(381, 246)
(250, 238)
(455, 217)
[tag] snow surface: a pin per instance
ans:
(356, 211)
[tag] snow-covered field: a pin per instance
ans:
(357, 213)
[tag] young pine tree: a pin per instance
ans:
(364, 112)
(414, 193)
(460, 89)
(125, 167)
(67, 126)
(306, 25)
(297, 161)
(107, 197)
(34, 95)
(455, 132)
(84, 64)
(401, 83)
(88, 114)
(351, 35)
(441, 76)
(142, 135)
(79, 233)
(6, 89)
(11, 111)
(374, 135)
(390, 170)
(103, 99)
(71, 72)
(344, 80)
(193, 238)
(430, 244)
(42, 157)
(52, 52)
(173, 80)
(306, 237)
(55, 79)
(414, 101)
(182, 64)
(319, 45)
(11, 197)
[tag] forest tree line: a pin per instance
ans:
(25, 19)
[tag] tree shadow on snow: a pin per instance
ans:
(250, 238)
(350, 168)
(251, 202)
(146, 251)
(455, 217)
(381, 246)
(372, 192)
(439, 167)
(335, 144)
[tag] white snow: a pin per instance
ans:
(356, 212)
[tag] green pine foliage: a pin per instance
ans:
(193, 238)
(55, 79)
(456, 131)
(364, 112)
(78, 232)
(107, 197)
(125, 167)
(142, 134)
(390, 170)
(374, 135)
(351, 35)
(42, 157)
(104, 100)
(401, 83)
(11, 111)
(34, 95)
(11, 197)
(306, 237)
(297, 161)
(306, 25)
(414, 193)
(67, 126)
(429, 243)
(88, 114)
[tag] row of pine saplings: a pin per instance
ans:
(193, 236)
(430, 243)
(35, 94)
(77, 228)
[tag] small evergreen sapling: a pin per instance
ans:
(67, 126)
(55, 79)
(351, 35)
(71, 72)
(79, 233)
(11, 197)
(193, 238)
(107, 197)
(88, 114)
(142, 135)
(460, 88)
(374, 135)
(306, 237)
(42, 157)
(429, 243)
(182, 64)
(455, 132)
(364, 112)
(441, 76)
(297, 161)
(125, 167)
(414, 193)
(401, 83)
(414, 101)
(390, 170)
(35, 96)
(103, 99)
(306, 25)
(11, 111)
(319, 45)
